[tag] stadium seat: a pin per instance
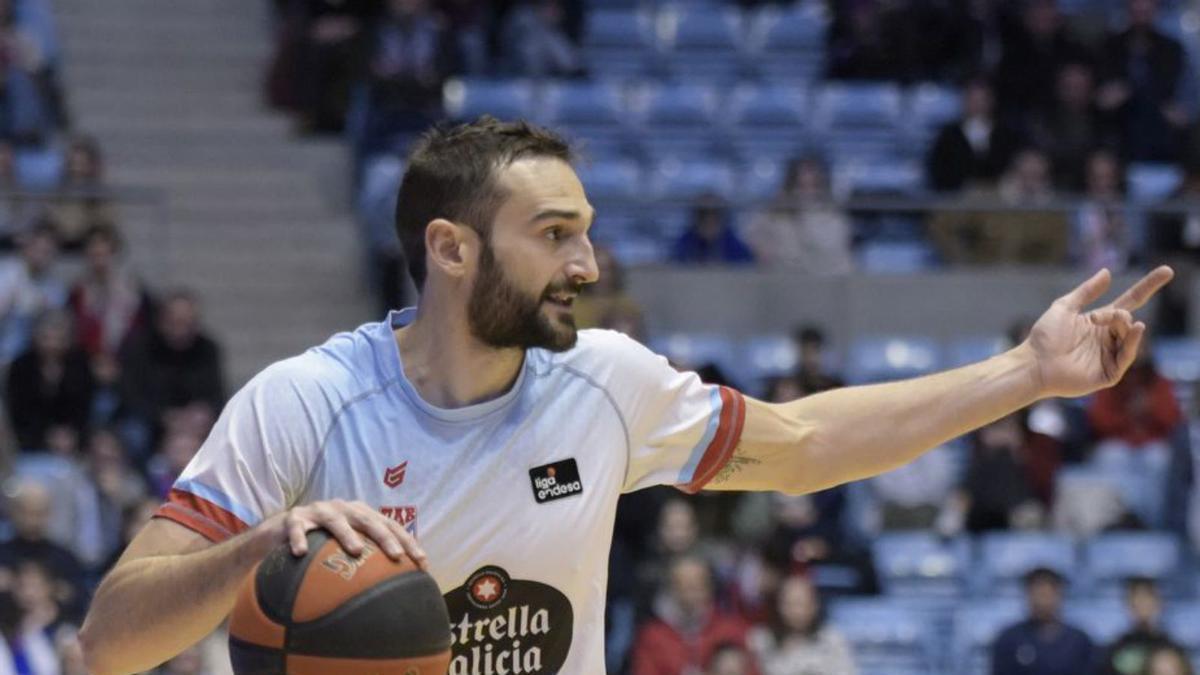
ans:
(38, 168)
(921, 564)
(701, 43)
(1178, 359)
(768, 121)
(887, 358)
(878, 178)
(895, 257)
(693, 350)
(764, 356)
(886, 635)
(617, 42)
(467, 99)
(681, 183)
(760, 181)
(593, 112)
(966, 350)
(1183, 624)
(1110, 558)
(789, 46)
(1104, 620)
(868, 114)
(976, 625)
(614, 187)
(929, 107)
(1150, 182)
(1005, 557)
(677, 120)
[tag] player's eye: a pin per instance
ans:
(554, 233)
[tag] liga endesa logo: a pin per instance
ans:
(500, 625)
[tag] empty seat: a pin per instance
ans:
(1005, 558)
(887, 358)
(859, 120)
(677, 119)
(966, 350)
(767, 121)
(765, 356)
(1178, 359)
(886, 635)
(1149, 182)
(790, 45)
(929, 107)
(701, 43)
(617, 42)
(1113, 557)
(1103, 620)
(592, 111)
(976, 626)
(879, 178)
(693, 350)
(38, 168)
(922, 564)
(467, 99)
(681, 183)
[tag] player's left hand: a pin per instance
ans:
(1078, 351)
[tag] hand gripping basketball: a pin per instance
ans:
(348, 522)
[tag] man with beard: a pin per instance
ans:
(482, 425)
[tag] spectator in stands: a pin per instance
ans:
(1034, 53)
(29, 286)
(862, 44)
(813, 372)
(1128, 655)
(806, 536)
(409, 58)
(996, 492)
(35, 590)
(535, 36)
(110, 304)
(108, 485)
(83, 203)
(1072, 126)
(687, 626)
(50, 385)
(176, 450)
(912, 496)
(33, 104)
(1168, 660)
(974, 150)
(804, 228)
(710, 237)
(175, 364)
(1141, 73)
(1134, 423)
(29, 510)
(797, 638)
(1104, 229)
(1175, 240)
(976, 237)
(23, 651)
(730, 659)
(1042, 644)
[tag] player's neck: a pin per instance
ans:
(449, 367)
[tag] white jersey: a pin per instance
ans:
(513, 499)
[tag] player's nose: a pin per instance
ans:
(583, 268)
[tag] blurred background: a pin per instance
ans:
(792, 196)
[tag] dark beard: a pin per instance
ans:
(502, 316)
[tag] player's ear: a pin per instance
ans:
(447, 247)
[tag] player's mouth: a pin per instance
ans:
(564, 300)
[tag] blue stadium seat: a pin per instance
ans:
(1110, 558)
(1005, 558)
(1104, 620)
(38, 168)
(617, 42)
(929, 107)
(859, 120)
(886, 358)
(767, 121)
(376, 203)
(879, 178)
(1149, 182)
(615, 189)
(1182, 622)
(594, 112)
(765, 356)
(976, 625)
(468, 98)
(789, 46)
(921, 564)
(966, 350)
(701, 43)
(1178, 359)
(692, 350)
(886, 635)
(760, 181)
(682, 182)
(895, 257)
(678, 120)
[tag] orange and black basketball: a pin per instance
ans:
(329, 613)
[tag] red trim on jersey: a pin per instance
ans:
(197, 513)
(724, 442)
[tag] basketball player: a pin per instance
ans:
(482, 435)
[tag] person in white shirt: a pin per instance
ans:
(484, 436)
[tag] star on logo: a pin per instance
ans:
(486, 589)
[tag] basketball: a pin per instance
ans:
(330, 613)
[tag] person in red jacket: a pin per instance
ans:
(687, 627)
(1133, 423)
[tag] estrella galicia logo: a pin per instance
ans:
(555, 481)
(500, 625)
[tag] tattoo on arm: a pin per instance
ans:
(734, 466)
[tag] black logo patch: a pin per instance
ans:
(503, 625)
(555, 481)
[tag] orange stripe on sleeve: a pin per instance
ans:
(724, 442)
(204, 517)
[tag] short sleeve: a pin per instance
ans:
(256, 460)
(681, 431)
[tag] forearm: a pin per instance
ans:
(857, 432)
(150, 609)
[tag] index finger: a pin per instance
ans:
(1088, 292)
(1141, 292)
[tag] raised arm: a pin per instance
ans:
(172, 586)
(857, 432)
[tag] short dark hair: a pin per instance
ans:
(451, 174)
(1141, 583)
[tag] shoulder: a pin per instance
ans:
(600, 350)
